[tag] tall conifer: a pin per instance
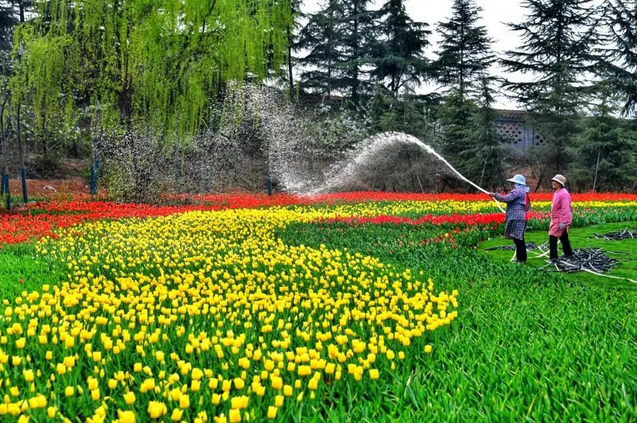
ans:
(621, 51)
(320, 41)
(465, 53)
(558, 38)
(399, 52)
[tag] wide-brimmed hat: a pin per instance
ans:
(518, 179)
(559, 179)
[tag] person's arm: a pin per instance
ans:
(566, 215)
(512, 196)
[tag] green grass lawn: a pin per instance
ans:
(21, 270)
(624, 251)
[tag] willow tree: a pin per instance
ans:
(154, 62)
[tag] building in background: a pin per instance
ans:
(516, 127)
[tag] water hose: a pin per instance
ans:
(474, 185)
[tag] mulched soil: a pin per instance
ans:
(36, 187)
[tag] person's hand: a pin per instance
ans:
(491, 194)
(562, 226)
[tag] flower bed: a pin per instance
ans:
(202, 312)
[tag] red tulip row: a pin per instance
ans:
(41, 219)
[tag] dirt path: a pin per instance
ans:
(39, 188)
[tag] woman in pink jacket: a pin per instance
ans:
(561, 218)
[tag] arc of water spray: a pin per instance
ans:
(372, 146)
(461, 176)
(375, 146)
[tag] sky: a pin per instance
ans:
(495, 16)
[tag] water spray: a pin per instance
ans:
(374, 147)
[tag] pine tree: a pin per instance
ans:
(321, 38)
(8, 20)
(295, 7)
(398, 54)
(620, 61)
(485, 153)
(605, 154)
(465, 53)
(470, 138)
(358, 33)
(409, 114)
(558, 40)
(455, 116)
(12, 13)
(338, 39)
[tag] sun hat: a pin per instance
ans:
(518, 179)
(559, 179)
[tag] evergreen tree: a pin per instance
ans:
(409, 114)
(320, 37)
(358, 33)
(295, 7)
(470, 136)
(455, 116)
(484, 154)
(12, 13)
(465, 53)
(8, 20)
(607, 146)
(621, 58)
(558, 40)
(337, 39)
(398, 54)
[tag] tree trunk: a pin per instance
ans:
(290, 73)
(599, 153)
(21, 11)
(23, 172)
(4, 151)
(45, 141)
(539, 181)
(19, 136)
(444, 186)
(420, 183)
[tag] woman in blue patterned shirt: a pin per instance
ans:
(518, 204)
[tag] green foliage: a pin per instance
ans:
(358, 32)
(470, 139)
(338, 39)
(485, 154)
(620, 53)
(335, 130)
(409, 114)
(398, 53)
(8, 22)
(605, 153)
(21, 271)
(559, 37)
(320, 37)
(159, 63)
(465, 50)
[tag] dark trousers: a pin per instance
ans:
(520, 249)
(566, 245)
